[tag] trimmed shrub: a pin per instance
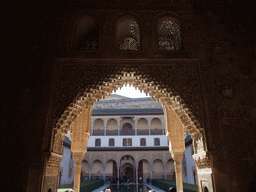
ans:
(85, 186)
(166, 184)
(93, 184)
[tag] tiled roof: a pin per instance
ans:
(126, 111)
(126, 100)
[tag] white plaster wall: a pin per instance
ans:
(158, 169)
(135, 140)
(65, 164)
(109, 168)
(85, 168)
(170, 167)
(97, 168)
(68, 135)
(190, 163)
(146, 171)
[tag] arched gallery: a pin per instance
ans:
(127, 140)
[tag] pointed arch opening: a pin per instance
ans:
(98, 127)
(112, 127)
(170, 102)
(86, 35)
(127, 34)
(169, 35)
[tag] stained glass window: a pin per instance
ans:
(169, 35)
(128, 35)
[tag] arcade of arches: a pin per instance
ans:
(177, 57)
(145, 165)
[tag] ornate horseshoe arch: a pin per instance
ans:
(176, 86)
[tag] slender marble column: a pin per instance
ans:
(149, 128)
(136, 127)
(118, 126)
(104, 174)
(177, 162)
(105, 130)
(151, 175)
(164, 173)
(118, 176)
(78, 157)
(90, 174)
(137, 176)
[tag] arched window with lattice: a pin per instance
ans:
(87, 34)
(128, 35)
(168, 35)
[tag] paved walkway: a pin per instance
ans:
(148, 185)
(101, 188)
(154, 188)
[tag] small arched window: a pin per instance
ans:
(142, 142)
(111, 142)
(127, 142)
(168, 35)
(97, 143)
(128, 35)
(87, 34)
(156, 142)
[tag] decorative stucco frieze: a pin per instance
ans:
(52, 164)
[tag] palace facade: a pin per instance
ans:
(128, 139)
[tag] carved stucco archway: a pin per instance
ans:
(179, 116)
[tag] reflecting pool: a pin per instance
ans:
(128, 188)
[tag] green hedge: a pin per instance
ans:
(166, 184)
(85, 186)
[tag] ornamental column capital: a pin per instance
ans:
(78, 156)
(177, 156)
